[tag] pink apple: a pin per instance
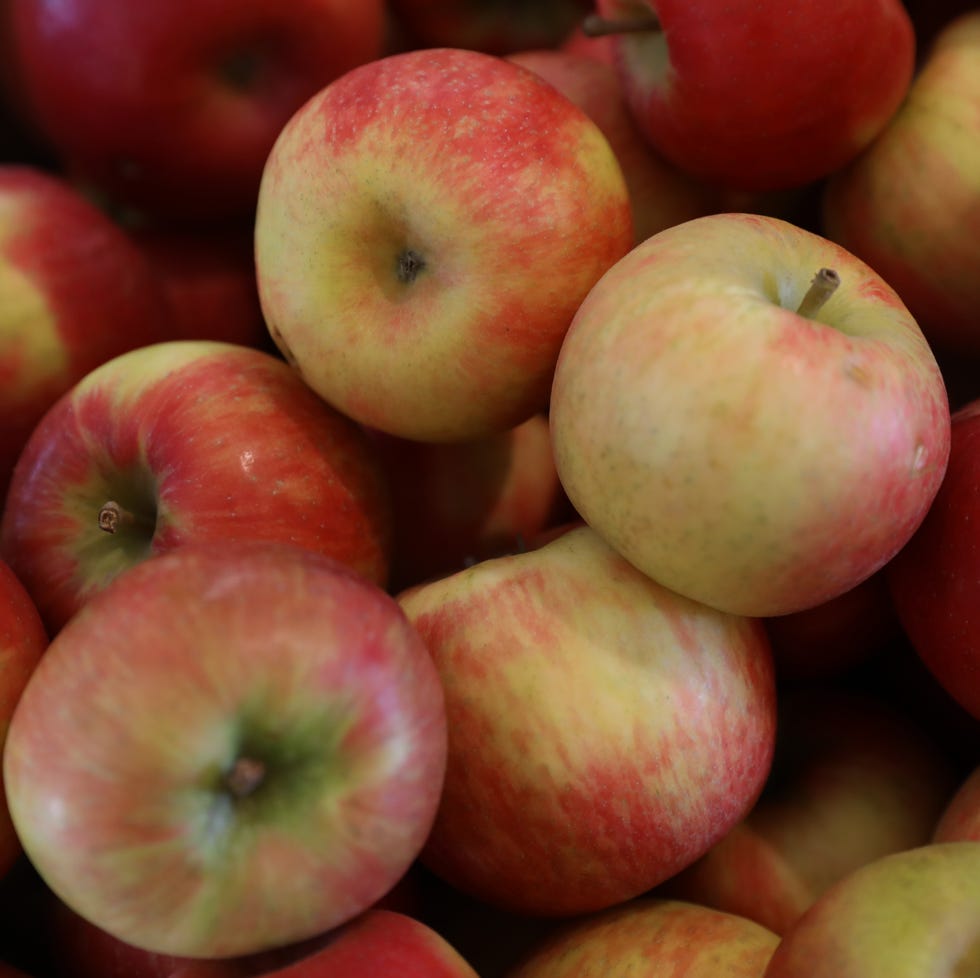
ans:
(180, 442)
(653, 937)
(230, 748)
(174, 113)
(960, 819)
(74, 292)
(427, 226)
(911, 914)
(935, 579)
(852, 780)
(738, 429)
(910, 205)
(761, 96)
(603, 731)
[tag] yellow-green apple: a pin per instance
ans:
(454, 503)
(188, 440)
(935, 579)
(755, 96)
(960, 818)
(490, 26)
(910, 914)
(749, 414)
(660, 194)
(74, 292)
(427, 226)
(23, 640)
(852, 780)
(910, 204)
(651, 937)
(603, 731)
(230, 748)
(175, 116)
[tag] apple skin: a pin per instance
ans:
(960, 819)
(202, 441)
(749, 457)
(650, 937)
(409, 265)
(220, 87)
(74, 292)
(935, 579)
(891, 205)
(257, 653)
(852, 780)
(23, 640)
(764, 96)
(907, 915)
(603, 732)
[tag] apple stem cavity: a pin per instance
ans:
(822, 287)
(113, 518)
(410, 265)
(595, 25)
(245, 777)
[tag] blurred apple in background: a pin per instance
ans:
(276, 768)
(910, 205)
(960, 819)
(173, 114)
(411, 264)
(653, 937)
(603, 731)
(181, 442)
(74, 292)
(738, 435)
(760, 96)
(935, 579)
(852, 780)
(907, 915)
(455, 503)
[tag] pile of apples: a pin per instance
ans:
(490, 489)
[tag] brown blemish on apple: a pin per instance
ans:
(245, 777)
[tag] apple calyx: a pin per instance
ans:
(823, 285)
(245, 777)
(113, 517)
(595, 25)
(409, 266)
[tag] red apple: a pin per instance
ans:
(23, 640)
(74, 292)
(935, 578)
(175, 113)
(960, 819)
(180, 442)
(427, 226)
(761, 96)
(231, 748)
(603, 731)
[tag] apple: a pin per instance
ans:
(960, 818)
(910, 204)
(427, 226)
(652, 937)
(660, 194)
(852, 780)
(74, 292)
(749, 414)
(760, 96)
(184, 441)
(603, 731)
(935, 578)
(491, 26)
(454, 503)
(910, 914)
(23, 640)
(230, 748)
(171, 114)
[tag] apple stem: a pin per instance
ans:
(112, 517)
(595, 25)
(245, 776)
(822, 287)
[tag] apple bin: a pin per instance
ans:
(489, 489)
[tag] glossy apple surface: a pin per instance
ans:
(189, 441)
(603, 731)
(737, 448)
(275, 769)
(410, 264)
